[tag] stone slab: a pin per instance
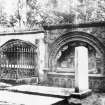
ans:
(43, 90)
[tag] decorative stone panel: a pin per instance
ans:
(96, 82)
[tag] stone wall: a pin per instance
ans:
(66, 79)
(52, 35)
(17, 49)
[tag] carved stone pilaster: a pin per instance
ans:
(41, 57)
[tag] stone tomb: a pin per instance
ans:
(81, 73)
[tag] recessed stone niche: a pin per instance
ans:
(65, 58)
(61, 61)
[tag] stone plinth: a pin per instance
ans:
(81, 69)
(81, 73)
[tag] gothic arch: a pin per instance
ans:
(74, 36)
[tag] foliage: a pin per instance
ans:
(7, 21)
(44, 14)
(83, 11)
(3, 19)
(56, 12)
(92, 11)
(12, 21)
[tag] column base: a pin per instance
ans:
(81, 95)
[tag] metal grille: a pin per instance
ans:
(18, 60)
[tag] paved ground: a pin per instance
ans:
(17, 95)
(20, 96)
(12, 98)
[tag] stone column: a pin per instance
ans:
(41, 57)
(81, 69)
